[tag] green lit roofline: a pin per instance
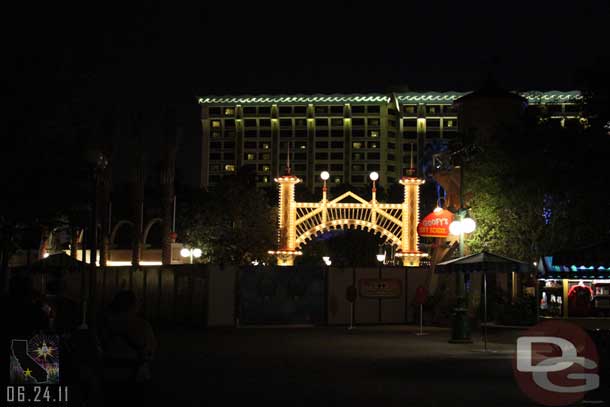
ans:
(533, 97)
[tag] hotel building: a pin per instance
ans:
(347, 135)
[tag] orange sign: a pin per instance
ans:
(436, 224)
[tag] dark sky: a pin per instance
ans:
(66, 61)
(227, 47)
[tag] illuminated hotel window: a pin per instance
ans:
(356, 145)
(337, 180)
(230, 168)
(448, 123)
(229, 111)
(372, 145)
(266, 168)
(374, 133)
(264, 146)
(215, 124)
(411, 109)
(301, 145)
(431, 109)
(250, 156)
(265, 179)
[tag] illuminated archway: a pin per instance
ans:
(299, 222)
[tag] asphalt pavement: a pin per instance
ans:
(300, 366)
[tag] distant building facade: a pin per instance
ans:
(347, 135)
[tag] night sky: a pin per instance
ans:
(68, 62)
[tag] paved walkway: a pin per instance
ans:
(332, 366)
(322, 366)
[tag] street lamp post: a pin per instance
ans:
(380, 259)
(460, 332)
(191, 253)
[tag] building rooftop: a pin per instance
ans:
(533, 97)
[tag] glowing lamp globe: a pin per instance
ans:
(437, 209)
(468, 225)
(374, 176)
(324, 175)
(185, 252)
(455, 228)
(197, 253)
(381, 257)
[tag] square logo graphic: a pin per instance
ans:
(34, 360)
